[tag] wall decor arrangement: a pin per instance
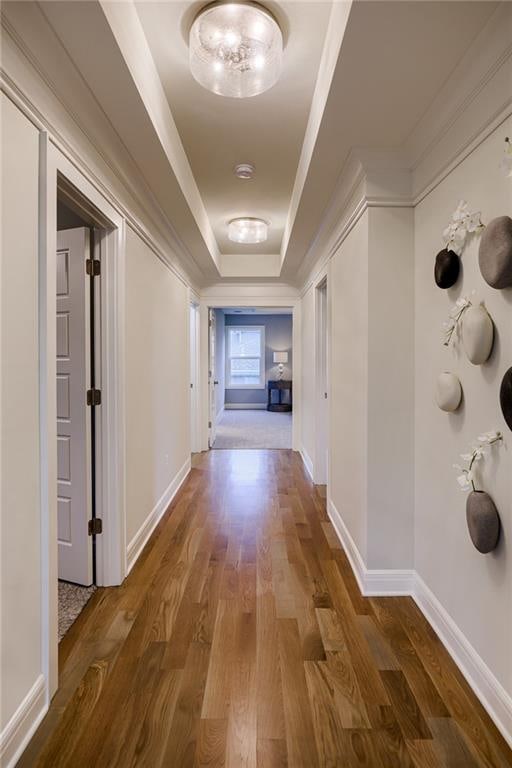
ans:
(448, 392)
(477, 329)
(447, 264)
(482, 517)
(506, 397)
(477, 334)
(495, 253)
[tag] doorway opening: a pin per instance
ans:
(321, 465)
(78, 390)
(250, 387)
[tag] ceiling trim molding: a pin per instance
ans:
(140, 193)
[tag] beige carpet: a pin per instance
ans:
(253, 429)
(72, 599)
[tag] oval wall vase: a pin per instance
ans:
(483, 521)
(448, 391)
(446, 268)
(477, 334)
(506, 397)
(495, 253)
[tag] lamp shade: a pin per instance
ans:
(280, 357)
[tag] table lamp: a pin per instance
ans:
(281, 358)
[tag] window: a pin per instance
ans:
(245, 357)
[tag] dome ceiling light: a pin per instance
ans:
(247, 230)
(244, 171)
(236, 48)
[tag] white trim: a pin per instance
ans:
(308, 463)
(23, 724)
(384, 583)
(495, 700)
(142, 536)
(245, 406)
(372, 582)
(110, 551)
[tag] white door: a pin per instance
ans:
(74, 485)
(212, 382)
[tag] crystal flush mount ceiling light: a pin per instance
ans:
(248, 230)
(236, 48)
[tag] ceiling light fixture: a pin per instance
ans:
(247, 230)
(244, 170)
(236, 48)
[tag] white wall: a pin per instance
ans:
(308, 341)
(475, 589)
(157, 380)
(390, 441)
(348, 404)
(19, 414)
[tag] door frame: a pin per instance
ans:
(263, 301)
(56, 169)
(321, 467)
(195, 439)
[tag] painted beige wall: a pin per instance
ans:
(308, 375)
(157, 380)
(476, 590)
(349, 381)
(19, 414)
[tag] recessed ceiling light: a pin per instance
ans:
(248, 230)
(236, 48)
(244, 170)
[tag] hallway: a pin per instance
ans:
(240, 638)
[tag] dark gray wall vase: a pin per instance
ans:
(446, 268)
(506, 397)
(495, 253)
(483, 521)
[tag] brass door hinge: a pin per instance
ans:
(93, 267)
(94, 397)
(95, 526)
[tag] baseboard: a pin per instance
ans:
(23, 724)
(140, 539)
(245, 406)
(372, 582)
(306, 458)
(384, 583)
(487, 688)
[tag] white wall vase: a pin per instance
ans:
(483, 521)
(448, 391)
(477, 334)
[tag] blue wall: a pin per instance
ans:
(278, 338)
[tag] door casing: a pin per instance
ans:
(253, 300)
(58, 172)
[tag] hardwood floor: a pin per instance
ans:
(241, 639)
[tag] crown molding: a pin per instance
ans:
(155, 220)
(475, 101)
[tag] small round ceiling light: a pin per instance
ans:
(244, 171)
(236, 48)
(247, 230)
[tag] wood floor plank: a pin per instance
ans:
(240, 638)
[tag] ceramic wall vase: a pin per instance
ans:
(483, 521)
(506, 397)
(446, 268)
(495, 253)
(477, 334)
(448, 391)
